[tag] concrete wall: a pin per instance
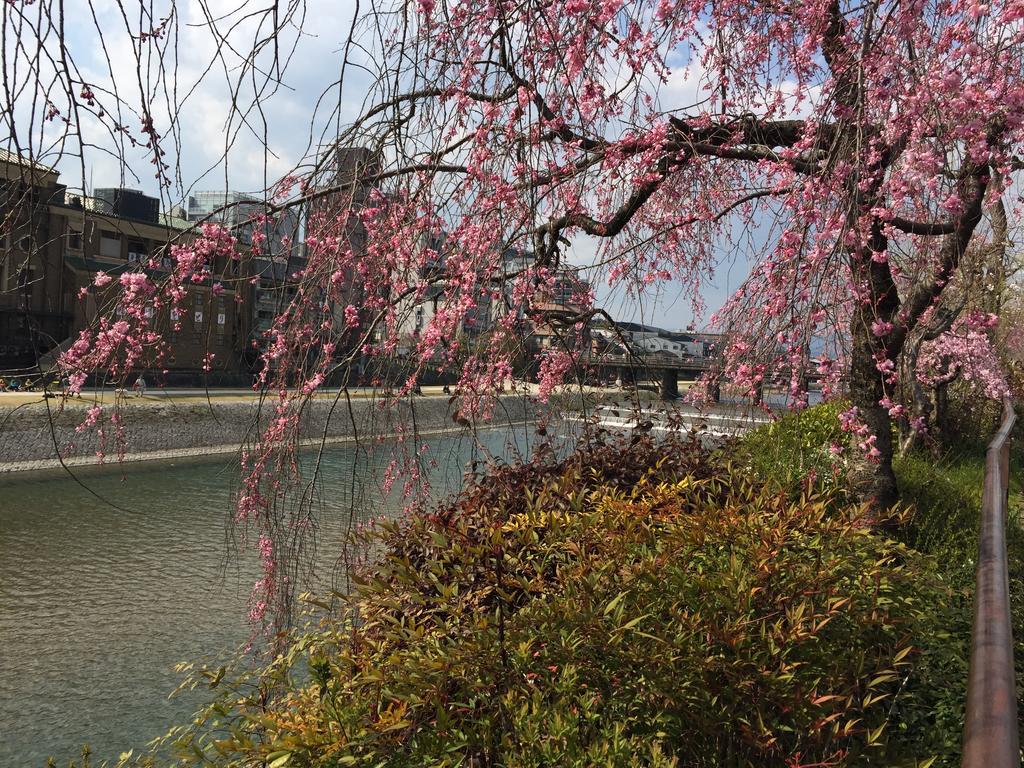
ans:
(154, 429)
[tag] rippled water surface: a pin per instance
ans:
(107, 584)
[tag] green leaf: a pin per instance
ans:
(615, 601)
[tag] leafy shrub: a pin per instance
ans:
(968, 418)
(942, 501)
(637, 606)
(946, 498)
(802, 449)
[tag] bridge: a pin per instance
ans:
(662, 367)
(667, 369)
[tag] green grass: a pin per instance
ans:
(946, 495)
(944, 499)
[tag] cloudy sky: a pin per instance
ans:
(211, 146)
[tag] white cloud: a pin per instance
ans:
(191, 100)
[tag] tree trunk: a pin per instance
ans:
(873, 480)
(920, 402)
(942, 431)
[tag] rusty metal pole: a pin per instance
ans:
(990, 725)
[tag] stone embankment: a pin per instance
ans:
(43, 435)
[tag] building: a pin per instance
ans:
(55, 243)
(125, 204)
(552, 308)
(650, 340)
(246, 216)
(414, 314)
(267, 269)
(205, 324)
(333, 214)
(36, 307)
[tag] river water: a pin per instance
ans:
(106, 584)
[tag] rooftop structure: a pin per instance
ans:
(126, 204)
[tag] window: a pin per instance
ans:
(25, 243)
(197, 313)
(110, 245)
(74, 238)
(137, 252)
(222, 319)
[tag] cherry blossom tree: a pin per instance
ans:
(958, 338)
(848, 150)
(869, 134)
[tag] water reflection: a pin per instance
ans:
(106, 585)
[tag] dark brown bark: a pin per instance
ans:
(873, 479)
(920, 396)
(874, 482)
(920, 403)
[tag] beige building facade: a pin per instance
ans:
(54, 242)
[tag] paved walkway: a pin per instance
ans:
(153, 395)
(91, 397)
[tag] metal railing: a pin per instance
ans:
(990, 725)
(649, 360)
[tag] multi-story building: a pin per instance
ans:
(551, 306)
(416, 313)
(649, 340)
(266, 270)
(55, 242)
(333, 215)
(246, 215)
(35, 303)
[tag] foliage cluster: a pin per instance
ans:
(803, 449)
(942, 498)
(968, 419)
(627, 605)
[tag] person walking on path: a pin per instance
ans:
(140, 386)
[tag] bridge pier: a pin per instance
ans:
(669, 384)
(715, 391)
